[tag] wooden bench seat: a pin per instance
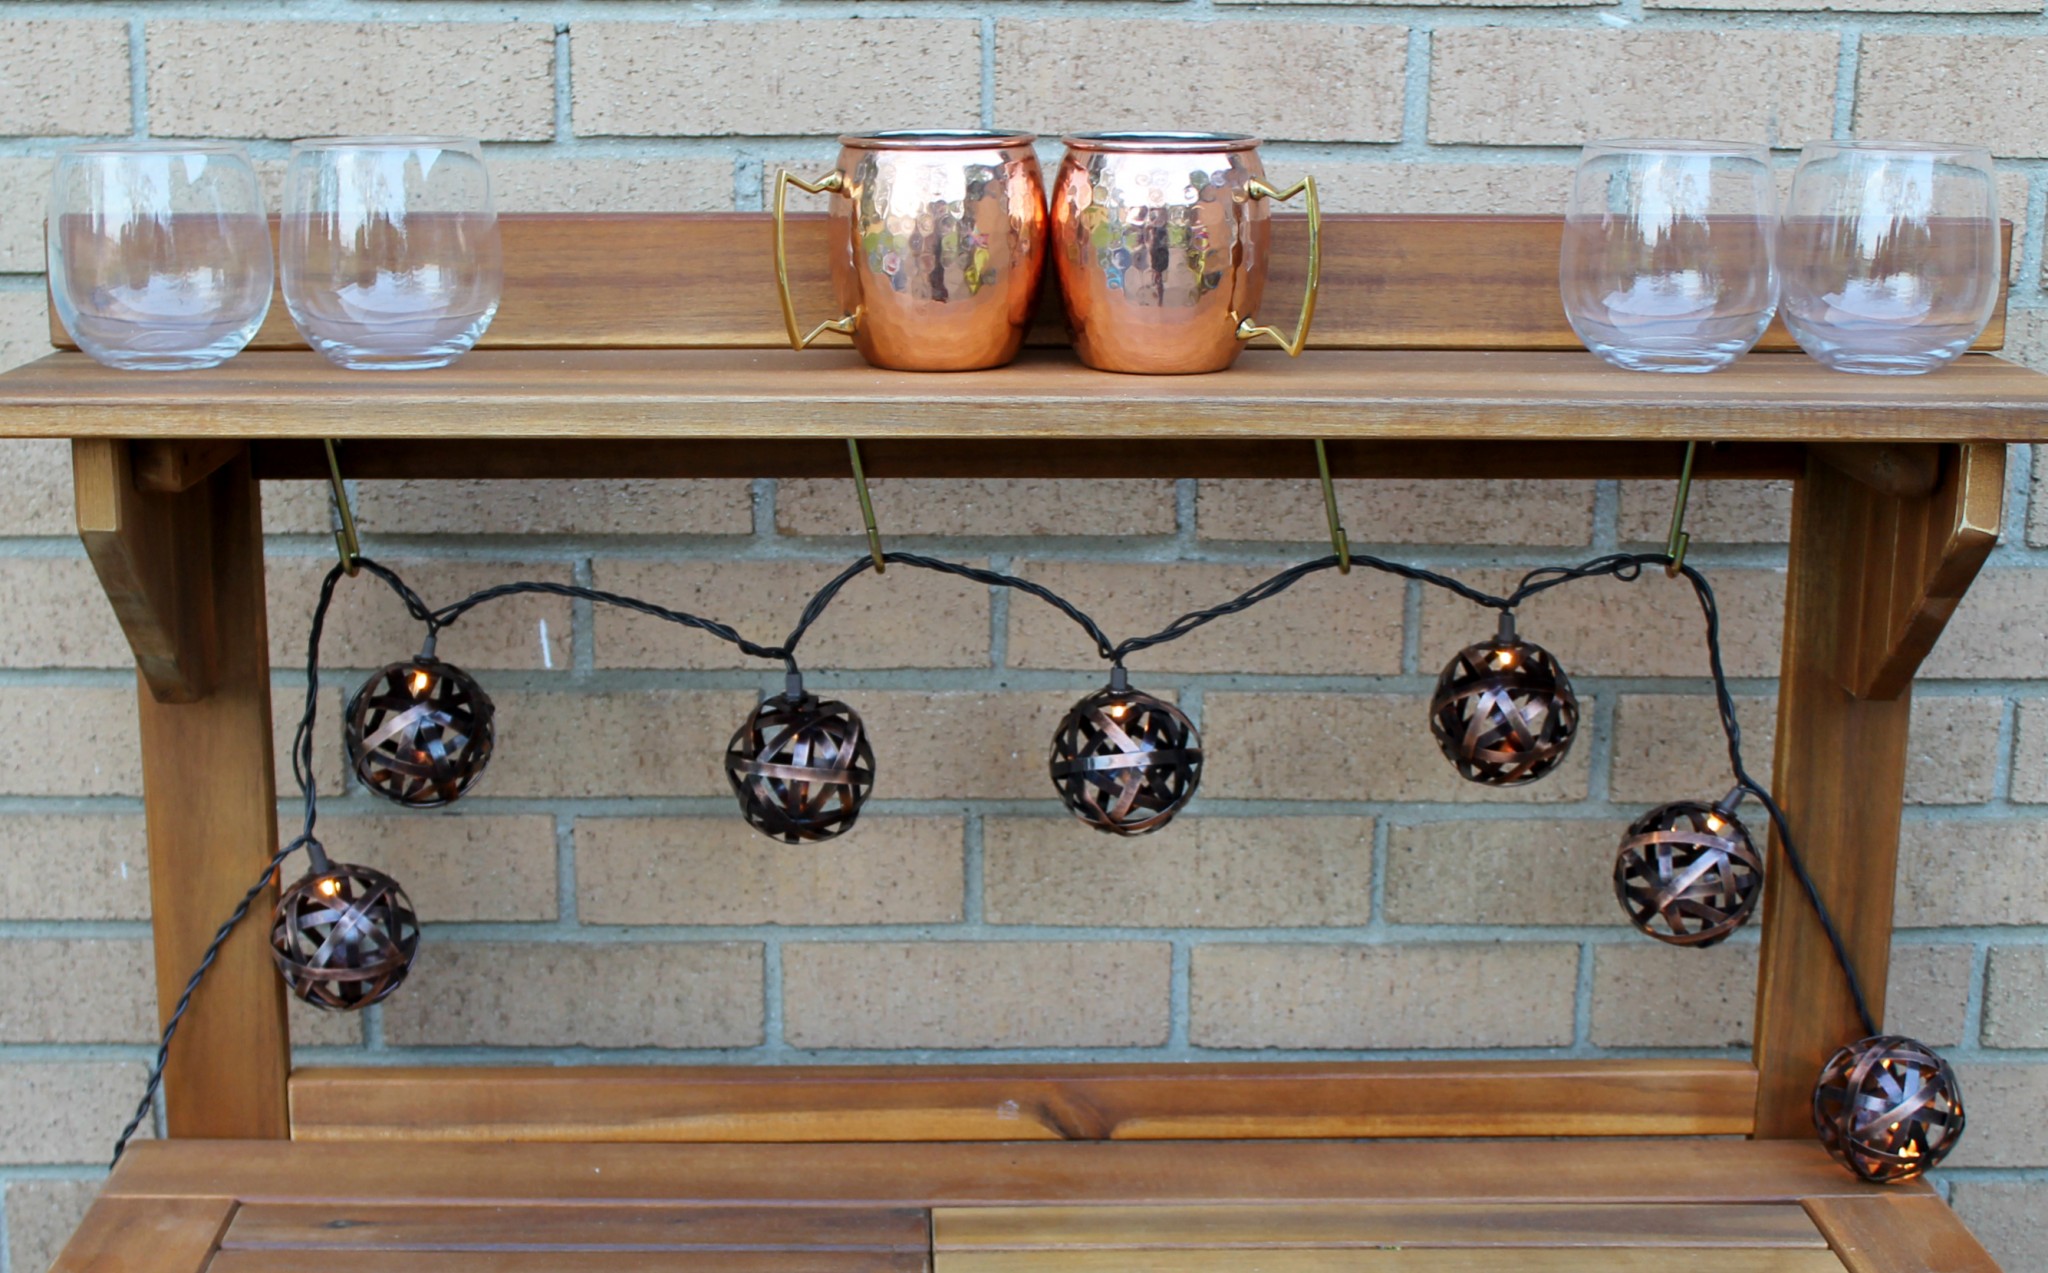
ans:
(1717, 1206)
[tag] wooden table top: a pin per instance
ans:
(763, 393)
(1599, 1206)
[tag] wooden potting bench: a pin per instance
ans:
(652, 346)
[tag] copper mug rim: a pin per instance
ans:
(937, 139)
(1129, 140)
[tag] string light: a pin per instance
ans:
(1124, 761)
(1504, 713)
(1688, 873)
(802, 767)
(420, 733)
(344, 937)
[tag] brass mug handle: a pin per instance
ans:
(1247, 329)
(834, 183)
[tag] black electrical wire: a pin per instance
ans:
(1621, 566)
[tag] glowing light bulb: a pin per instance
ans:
(330, 887)
(1505, 658)
(1117, 710)
(1714, 823)
(421, 680)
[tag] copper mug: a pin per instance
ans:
(1162, 242)
(938, 244)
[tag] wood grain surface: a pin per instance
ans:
(1363, 1226)
(1662, 1171)
(774, 394)
(1126, 1102)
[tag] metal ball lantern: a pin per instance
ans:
(344, 936)
(1125, 762)
(1889, 1108)
(419, 733)
(1504, 712)
(801, 766)
(1688, 873)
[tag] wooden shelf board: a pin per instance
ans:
(772, 394)
(1658, 1170)
(1179, 1101)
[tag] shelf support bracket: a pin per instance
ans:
(144, 546)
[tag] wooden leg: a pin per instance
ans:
(1873, 578)
(192, 564)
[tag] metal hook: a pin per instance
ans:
(1678, 541)
(1338, 539)
(345, 541)
(867, 505)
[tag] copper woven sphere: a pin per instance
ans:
(344, 937)
(1504, 712)
(419, 732)
(1124, 761)
(801, 766)
(1688, 873)
(1889, 1108)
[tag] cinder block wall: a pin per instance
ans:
(1336, 893)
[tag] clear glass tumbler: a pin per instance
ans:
(1668, 252)
(159, 253)
(390, 249)
(1890, 254)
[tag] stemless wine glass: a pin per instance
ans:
(1668, 253)
(159, 253)
(1890, 253)
(390, 249)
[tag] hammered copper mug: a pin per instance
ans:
(1162, 242)
(938, 243)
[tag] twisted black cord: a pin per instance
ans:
(163, 1050)
(302, 773)
(1725, 700)
(1629, 566)
(1622, 566)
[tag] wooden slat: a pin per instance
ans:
(152, 555)
(706, 280)
(1872, 579)
(146, 1235)
(1340, 1225)
(776, 394)
(995, 457)
(1494, 1260)
(1662, 1171)
(529, 1228)
(209, 783)
(1885, 1234)
(574, 1262)
(1128, 1102)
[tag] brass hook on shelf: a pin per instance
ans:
(867, 505)
(1678, 540)
(345, 540)
(1338, 539)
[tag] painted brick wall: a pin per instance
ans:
(1337, 892)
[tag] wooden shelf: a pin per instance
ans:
(1444, 395)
